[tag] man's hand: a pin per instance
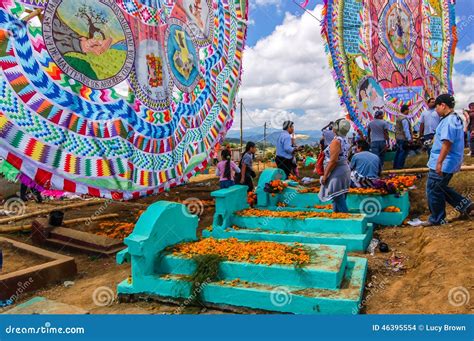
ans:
(95, 46)
(322, 180)
(439, 169)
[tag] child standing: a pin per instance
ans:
(226, 170)
(246, 164)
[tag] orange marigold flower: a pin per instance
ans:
(252, 212)
(256, 252)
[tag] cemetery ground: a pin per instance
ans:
(431, 261)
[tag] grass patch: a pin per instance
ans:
(207, 271)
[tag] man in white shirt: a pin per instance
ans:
(429, 122)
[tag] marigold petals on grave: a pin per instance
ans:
(255, 252)
(392, 209)
(253, 212)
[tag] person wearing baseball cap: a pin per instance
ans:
(336, 180)
(445, 160)
(378, 136)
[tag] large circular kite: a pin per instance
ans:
(386, 53)
(64, 126)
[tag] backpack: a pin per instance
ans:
(320, 164)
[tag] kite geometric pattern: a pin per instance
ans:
(67, 134)
(386, 53)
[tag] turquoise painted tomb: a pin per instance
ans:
(332, 282)
(355, 233)
(371, 205)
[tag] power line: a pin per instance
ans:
(307, 11)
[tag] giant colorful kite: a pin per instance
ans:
(63, 124)
(385, 53)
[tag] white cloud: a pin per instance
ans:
(288, 71)
(463, 83)
(265, 2)
(466, 55)
(463, 89)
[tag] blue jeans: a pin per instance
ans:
(339, 204)
(438, 193)
(400, 156)
(226, 184)
(378, 148)
(428, 138)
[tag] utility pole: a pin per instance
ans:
(241, 125)
(264, 139)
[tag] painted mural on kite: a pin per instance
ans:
(63, 124)
(386, 53)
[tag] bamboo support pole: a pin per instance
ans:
(421, 170)
(24, 228)
(47, 211)
(33, 14)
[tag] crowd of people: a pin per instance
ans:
(357, 162)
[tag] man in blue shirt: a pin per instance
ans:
(428, 123)
(285, 149)
(366, 163)
(446, 159)
(365, 166)
(378, 136)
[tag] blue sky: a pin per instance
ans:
(285, 65)
(267, 14)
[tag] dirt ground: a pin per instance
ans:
(14, 260)
(436, 275)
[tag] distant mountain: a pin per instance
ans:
(256, 135)
(120, 45)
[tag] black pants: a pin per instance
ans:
(285, 165)
(24, 189)
(249, 183)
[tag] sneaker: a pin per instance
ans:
(427, 224)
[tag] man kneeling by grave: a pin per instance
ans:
(365, 166)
